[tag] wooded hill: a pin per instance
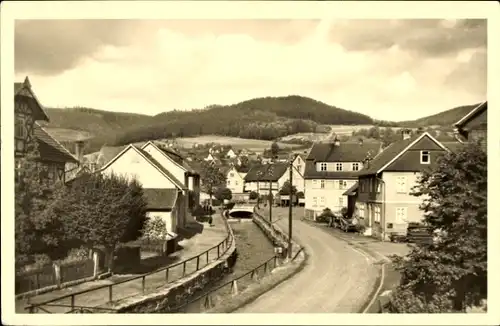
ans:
(261, 118)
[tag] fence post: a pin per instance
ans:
(184, 268)
(265, 267)
(207, 256)
(166, 275)
(72, 302)
(144, 284)
(197, 263)
(218, 251)
(110, 293)
(275, 261)
(95, 257)
(57, 272)
(37, 279)
(234, 287)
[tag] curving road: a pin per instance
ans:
(336, 279)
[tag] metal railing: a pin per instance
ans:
(210, 299)
(96, 297)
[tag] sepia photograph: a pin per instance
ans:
(200, 166)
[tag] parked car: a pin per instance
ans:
(348, 224)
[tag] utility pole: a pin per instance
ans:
(290, 211)
(270, 173)
(270, 202)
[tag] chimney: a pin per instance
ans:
(406, 133)
(79, 150)
(336, 142)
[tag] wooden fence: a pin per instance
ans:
(47, 275)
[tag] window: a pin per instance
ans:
(401, 215)
(315, 201)
(322, 167)
(379, 186)
(338, 167)
(315, 183)
(401, 185)
(228, 182)
(425, 157)
(322, 202)
(299, 167)
(231, 175)
(20, 128)
(342, 184)
(236, 182)
(361, 209)
(341, 201)
(322, 184)
(355, 166)
(377, 214)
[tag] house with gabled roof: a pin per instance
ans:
(473, 125)
(383, 194)
(266, 177)
(331, 168)
(27, 112)
(167, 195)
(235, 179)
(175, 163)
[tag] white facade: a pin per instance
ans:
(209, 158)
(235, 181)
(230, 154)
(326, 193)
(132, 164)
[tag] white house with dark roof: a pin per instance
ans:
(330, 169)
(158, 182)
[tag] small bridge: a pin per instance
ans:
(241, 211)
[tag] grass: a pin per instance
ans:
(237, 143)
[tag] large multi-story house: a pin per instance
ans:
(330, 169)
(27, 111)
(384, 187)
(474, 125)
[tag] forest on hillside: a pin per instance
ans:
(262, 118)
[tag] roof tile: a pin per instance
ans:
(160, 198)
(51, 150)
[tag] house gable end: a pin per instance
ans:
(168, 163)
(410, 146)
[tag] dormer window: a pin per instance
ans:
(338, 167)
(425, 157)
(322, 167)
(355, 166)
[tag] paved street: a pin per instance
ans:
(337, 279)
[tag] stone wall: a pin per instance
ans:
(275, 234)
(177, 293)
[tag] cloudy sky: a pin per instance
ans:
(388, 69)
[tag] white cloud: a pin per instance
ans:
(172, 70)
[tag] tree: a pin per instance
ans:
(211, 179)
(36, 231)
(275, 148)
(155, 228)
(223, 193)
(300, 194)
(451, 273)
(253, 195)
(288, 188)
(101, 211)
(244, 161)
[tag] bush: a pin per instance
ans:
(300, 194)
(253, 195)
(325, 216)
